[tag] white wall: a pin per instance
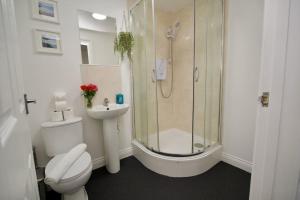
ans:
(243, 37)
(45, 74)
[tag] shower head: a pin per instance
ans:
(172, 30)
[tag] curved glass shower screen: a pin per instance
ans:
(177, 74)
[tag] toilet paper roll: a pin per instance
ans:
(60, 105)
(68, 114)
(60, 96)
(57, 116)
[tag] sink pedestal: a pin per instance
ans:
(110, 114)
(111, 145)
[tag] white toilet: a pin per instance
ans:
(59, 139)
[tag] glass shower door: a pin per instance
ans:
(174, 55)
(177, 113)
(144, 86)
(207, 72)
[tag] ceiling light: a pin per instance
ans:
(99, 16)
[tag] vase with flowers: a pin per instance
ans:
(89, 91)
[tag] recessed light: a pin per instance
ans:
(99, 16)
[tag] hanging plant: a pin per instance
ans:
(124, 41)
(124, 44)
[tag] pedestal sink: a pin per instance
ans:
(109, 114)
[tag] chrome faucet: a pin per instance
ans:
(105, 102)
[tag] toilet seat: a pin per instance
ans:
(79, 167)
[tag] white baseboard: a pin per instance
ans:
(237, 162)
(124, 153)
(100, 162)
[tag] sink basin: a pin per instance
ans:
(109, 115)
(107, 112)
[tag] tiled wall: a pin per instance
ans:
(176, 111)
(165, 106)
(183, 69)
(107, 78)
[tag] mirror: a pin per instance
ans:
(97, 34)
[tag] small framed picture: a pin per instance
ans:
(46, 10)
(47, 42)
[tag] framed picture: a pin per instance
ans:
(47, 42)
(45, 10)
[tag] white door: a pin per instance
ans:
(17, 172)
(276, 162)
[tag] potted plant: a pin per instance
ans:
(89, 91)
(124, 41)
(123, 44)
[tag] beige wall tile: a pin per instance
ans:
(108, 80)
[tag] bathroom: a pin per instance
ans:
(191, 119)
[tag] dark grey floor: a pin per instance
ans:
(135, 182)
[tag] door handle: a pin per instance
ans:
(26, 102)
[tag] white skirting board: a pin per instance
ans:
(237, 162)
(100, 162)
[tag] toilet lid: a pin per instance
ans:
(79, 167)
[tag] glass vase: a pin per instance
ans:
(89, 103)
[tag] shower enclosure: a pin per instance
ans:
(177, 74)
